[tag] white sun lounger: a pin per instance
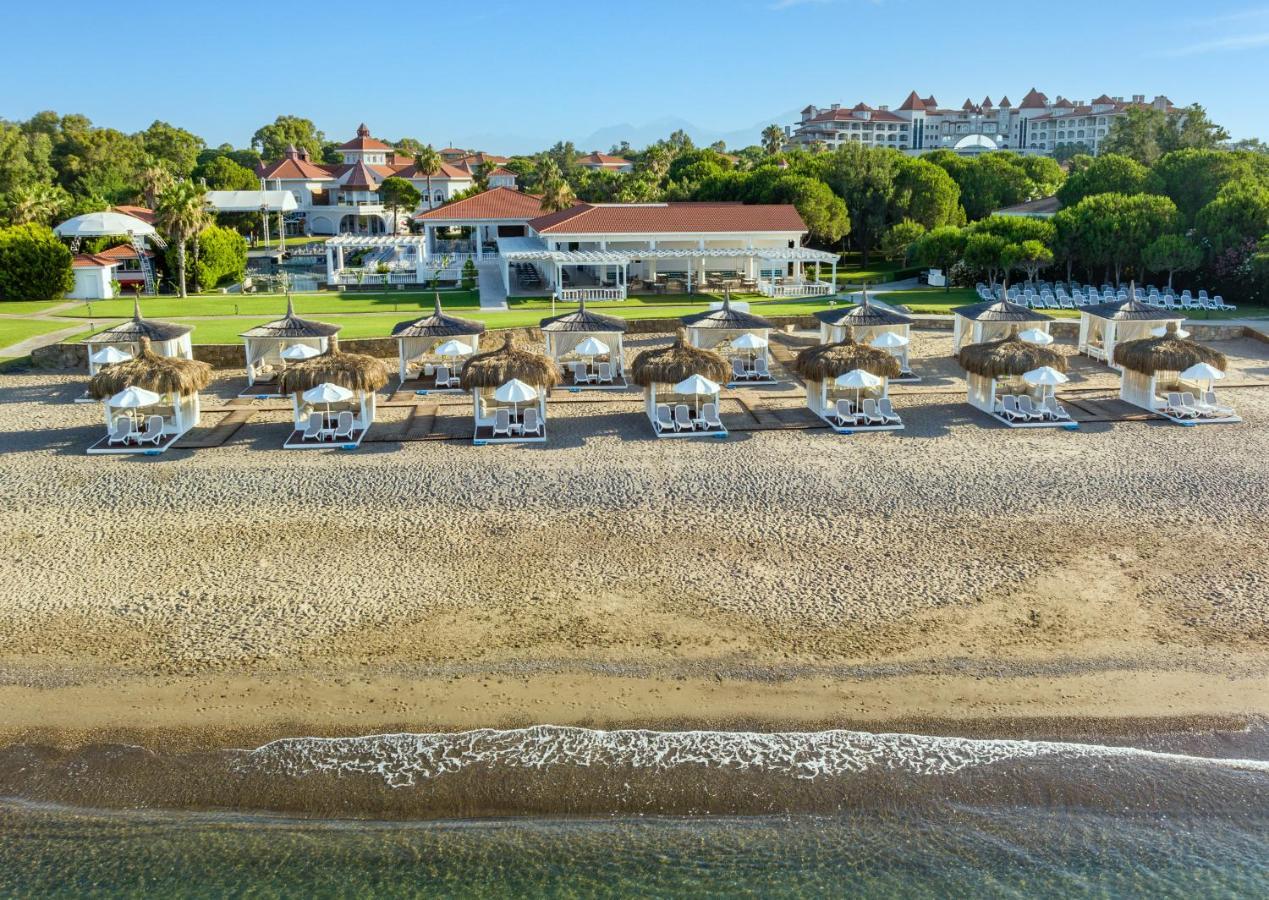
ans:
(665, 422)
(683, 417)
(313, 430)
(344, 426)
(738, 370)
(1177, 407)
(760, 367)
(886, 408)
(121, 433)
(1056, 410)
(1009, 408)
(1027, 408)
(502, 422)
(1208, 401)
(153, 431)
(530, 423)
(605, 373)
(845, 413)
(872, 416)
(709, 416)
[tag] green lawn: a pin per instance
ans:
(29, 307)
(14, 330)
(273, 304)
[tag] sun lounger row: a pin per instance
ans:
(603, 373)
(125, 432)
(682, 419)
(759, 372)
(317, 428)
(1022, 408)
(506, 424)
(1184, 405)
(871, 412)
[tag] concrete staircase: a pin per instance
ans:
(493, 294)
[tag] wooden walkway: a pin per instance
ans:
(218, 434)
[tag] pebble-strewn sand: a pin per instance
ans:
(1018, 572)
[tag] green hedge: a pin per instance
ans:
(222, 257)
(34, 264)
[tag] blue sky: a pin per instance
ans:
(512, 77)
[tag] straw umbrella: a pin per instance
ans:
(678, 362)
(355, 371)
(824, 364)
(988, 363)
(1167, 353)
(151, 372)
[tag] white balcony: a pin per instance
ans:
(577, 295)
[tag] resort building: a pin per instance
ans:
(919, 125)
(344, 198)
(596, 160)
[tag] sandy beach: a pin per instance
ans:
(956, 574)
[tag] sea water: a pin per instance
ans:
(639, 813)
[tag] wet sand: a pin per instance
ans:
(955, 574)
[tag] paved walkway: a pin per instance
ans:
(493, 293)
(24, 348)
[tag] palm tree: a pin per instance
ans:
(154, 181)
(38, 203)
(427, 162)
(182, 214)
(772, 139)
(557, 194)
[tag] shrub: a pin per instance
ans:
(469, 275)
(222, 257)
(34, 264)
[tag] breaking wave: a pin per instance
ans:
(405, 760)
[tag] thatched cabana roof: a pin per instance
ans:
(726, 317)
(1009, 357)
(148, 370)
(583, 320)
(134, 329)
(999, 311)
(291, 326)
(496, 367)
(1168, 353)
(863, 315)
(355, 371)
(438, 325)
(677, 362)
(824, 362)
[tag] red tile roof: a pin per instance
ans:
(121, 252)
(663, 218)
(595, 158)
(495, 203)
(1034, 100)
(92, 261)
(362, 177)
(913, 103)
(144, 213)
(445, 171)
(363, 141)
(1004, 102)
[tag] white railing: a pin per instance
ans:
(577, 295)
(795, 289)
(407, 276)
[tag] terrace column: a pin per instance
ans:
(330, 265)
(480, 245)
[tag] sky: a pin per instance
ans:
(514, 77)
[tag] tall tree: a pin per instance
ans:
(1191, 129)
(1115, 229)
(897, 245)
(37, 204)
(182, 215)
(223, 174)
(1172, 253)
(557, 194)
(772, 139)
(1239, 213)
(398, 194)
(427, 162)
(940, 248)
(1193, 178)
(155, 179)
(1110, 173)
(1136, 134)
(173, 148)
(273, 139)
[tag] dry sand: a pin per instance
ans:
(955, 572)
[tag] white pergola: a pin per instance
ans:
(336, 273)
(533, 250)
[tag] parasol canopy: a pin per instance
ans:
(857, 380)
(1204, 373)
(515, 391)
(1036, 336)
(109, 355)
(696, 385)
(889, 340)
(749, 341)
(327, 393)
(592, 346)
(133, 398)
(299, 352)
(453, 347)
(1045, 376)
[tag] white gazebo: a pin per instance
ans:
(982, 323)
(681, 389)
(115, 224)
(1107, 324)
(1173, 377)
(149, 401)
(720, 327)
(265, 343)
(873, 323)
(1012, 380)
(848, 385)
(334, 397)
(508, 391)
(588, 348)
(430, 350)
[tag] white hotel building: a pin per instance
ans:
(344, 198)
(919, 125)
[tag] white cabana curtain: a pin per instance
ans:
(486, 406)
(362, 406)
(561, 344)
(709, 338)
(180, 413)
(268, 351)
(417, 351)
(1140, 389)
(182, 347)
(982, 392)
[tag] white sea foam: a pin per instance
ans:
(402, 760)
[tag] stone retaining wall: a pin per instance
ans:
(230, 356)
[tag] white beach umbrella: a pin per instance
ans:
(453, 348)
(1202, 373)
(1046, 378)
(697, 386)
(889, 340)
(516, 392)
(100, 224)
(109, 355)
(1160, 332)
(751, 342)
(592, 346)
(299, 352)
(1036, 336)
(327, 393)
(857, 380)
(134, 398)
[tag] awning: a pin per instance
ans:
(251, 201)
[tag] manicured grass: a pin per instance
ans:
(273, 304)
(29, 307)
(14, 330)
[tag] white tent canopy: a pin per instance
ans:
(104, 224)
(251, 201)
